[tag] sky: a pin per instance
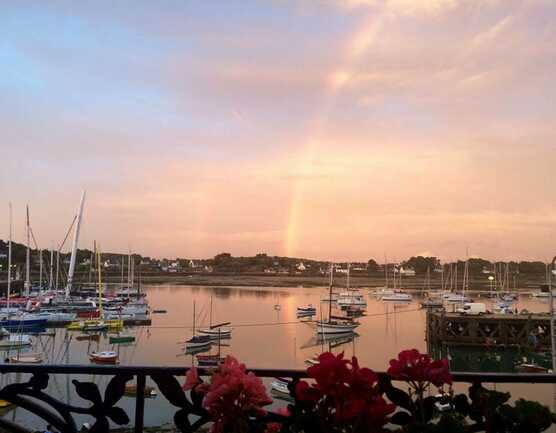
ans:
(329, 129)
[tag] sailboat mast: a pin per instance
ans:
(50, 282)
(74, 247)
(386, 271)
(330, 291)
(128, 269)
(40, 270)
(28, 255)
(99, 282)
(9, 263)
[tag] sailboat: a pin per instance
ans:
(350, 298)
(16, 322)
(218, 331)
(334, 325)
(197, 342)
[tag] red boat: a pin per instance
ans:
(90, 314)
(108, 357)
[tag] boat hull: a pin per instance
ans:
(332, 328)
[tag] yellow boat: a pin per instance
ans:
(75, 326)
(114, 323)
(4, 404)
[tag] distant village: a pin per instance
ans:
(260, 264)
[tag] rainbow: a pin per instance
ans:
(358, 44)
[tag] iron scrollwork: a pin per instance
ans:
(32, 397)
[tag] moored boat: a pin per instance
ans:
(398, 297)
(105, 357)
(115, 339)
(15, 340)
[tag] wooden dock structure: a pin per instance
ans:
(487, 330)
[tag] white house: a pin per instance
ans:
(406, 272)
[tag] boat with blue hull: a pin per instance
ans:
(16, 323)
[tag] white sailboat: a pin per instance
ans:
(334, 325)
(351, 298)
(219, 331)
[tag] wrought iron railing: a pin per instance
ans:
(32, 396)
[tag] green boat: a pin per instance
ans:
(121, 339)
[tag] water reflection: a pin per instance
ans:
(262, 336)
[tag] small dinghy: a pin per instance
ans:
(198, 341)
(117, 339)
(209, 360)
(530, 368)
(88, 337)
(105, 357)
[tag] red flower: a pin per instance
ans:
(413, 366)
(307, 394)
(233, 395)
(191, 379)
(273, 427)
(345, 392)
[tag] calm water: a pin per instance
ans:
(262, 337)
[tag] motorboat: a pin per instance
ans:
(105, 357)
(397, 297)
(307, 309)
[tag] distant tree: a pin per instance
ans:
(476, 265)
(532, 268)
(372, 266)
(421, 264)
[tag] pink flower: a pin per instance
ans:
(233, 395)
(191, 379)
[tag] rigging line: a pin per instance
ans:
(296, 322)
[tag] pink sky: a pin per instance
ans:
(327, 129)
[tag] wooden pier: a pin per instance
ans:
(488, 329)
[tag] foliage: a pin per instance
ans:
(343, 397)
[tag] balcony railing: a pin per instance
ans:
(32, 396)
